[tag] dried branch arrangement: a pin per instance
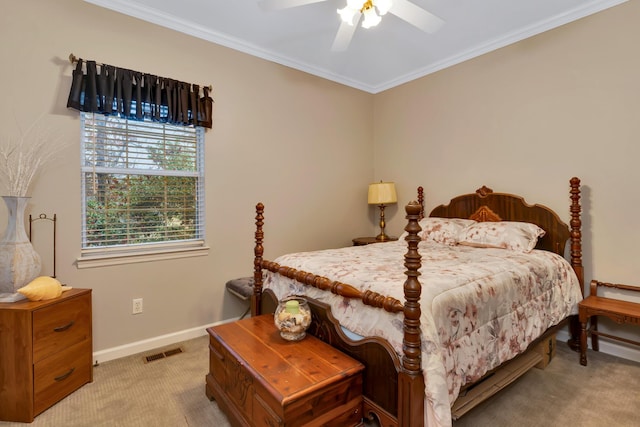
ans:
(22, 157)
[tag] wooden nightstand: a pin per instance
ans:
(46, 352)
(259, 379)
(361, 241)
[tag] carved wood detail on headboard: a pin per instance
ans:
(484, 214)
(484, 191)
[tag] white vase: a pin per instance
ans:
(19, 262)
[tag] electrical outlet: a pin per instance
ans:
(137, 306)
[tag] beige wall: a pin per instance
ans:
(525, 119)
(300, 144)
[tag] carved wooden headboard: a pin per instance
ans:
(485, 205)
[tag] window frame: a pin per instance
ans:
(143, 252)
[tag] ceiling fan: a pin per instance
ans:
(372, 10)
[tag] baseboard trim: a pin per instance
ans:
(152, 343)
(606, 346)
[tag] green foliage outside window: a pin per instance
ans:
(142, 183)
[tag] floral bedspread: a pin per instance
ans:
(480, 306)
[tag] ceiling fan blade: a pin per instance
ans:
(416, 16)
(345, 34)
(285, 4)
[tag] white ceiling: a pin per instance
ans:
(378, 58)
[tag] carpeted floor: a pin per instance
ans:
(129, 392)
(170, 392)
(606, 393)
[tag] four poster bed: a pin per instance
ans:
(461, 294)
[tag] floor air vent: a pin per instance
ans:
(162, 355)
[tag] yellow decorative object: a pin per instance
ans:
(43, 288)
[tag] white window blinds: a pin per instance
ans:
(143, 183)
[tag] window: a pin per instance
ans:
(142, 190)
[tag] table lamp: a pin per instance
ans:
(382, 194)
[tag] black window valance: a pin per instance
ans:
(109, 90)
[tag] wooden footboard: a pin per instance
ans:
(399, 398)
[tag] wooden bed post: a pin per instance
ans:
(410, 379)
(257, 262)
(576, 257)
(576, 233)
(421, 201)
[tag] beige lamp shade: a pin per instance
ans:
(382, 193)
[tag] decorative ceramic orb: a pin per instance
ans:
(292, 318)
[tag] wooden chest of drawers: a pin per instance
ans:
(46, 352)
(259, 379)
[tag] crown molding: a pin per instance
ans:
(172, 22)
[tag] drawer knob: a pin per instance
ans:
(63, 328)
(65, 376)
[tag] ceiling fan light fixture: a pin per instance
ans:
(383, 6)
(347, 14)
(371, 18)
(371, 9)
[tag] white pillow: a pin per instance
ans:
(512, 235)
(441, 230)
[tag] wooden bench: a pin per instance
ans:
(621, 312)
